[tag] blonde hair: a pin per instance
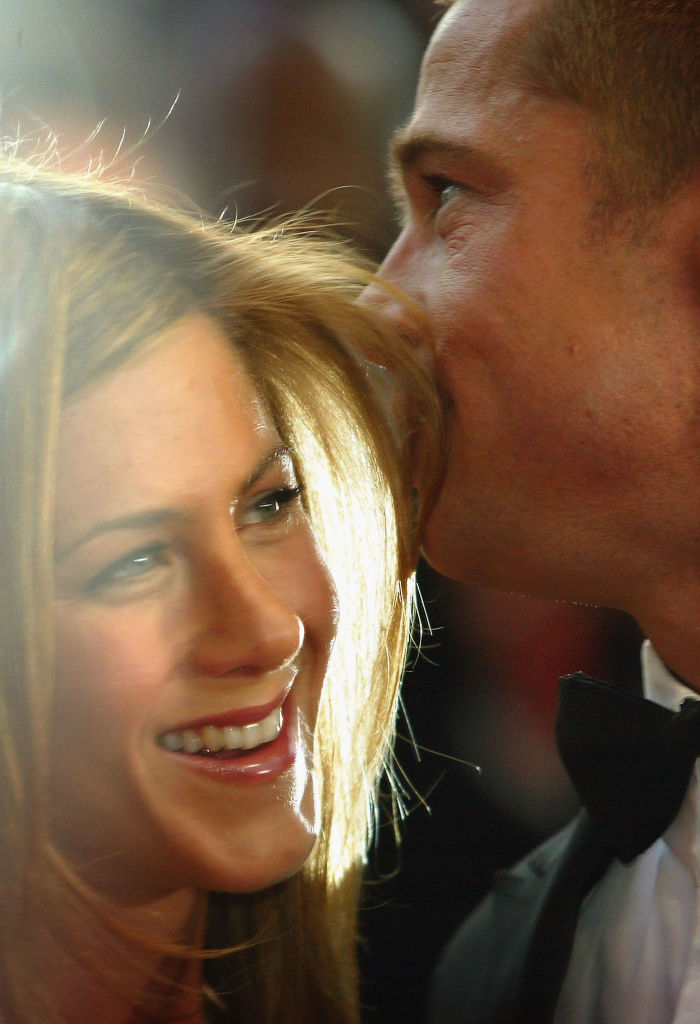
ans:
(89, 274)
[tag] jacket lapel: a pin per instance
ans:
(555, 910)
(507, 963)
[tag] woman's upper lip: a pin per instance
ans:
(236, 716)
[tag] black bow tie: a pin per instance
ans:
(630, 760)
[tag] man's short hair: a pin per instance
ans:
(635, 65)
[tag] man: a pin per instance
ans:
(550, 182)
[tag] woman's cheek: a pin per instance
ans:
(107, 664)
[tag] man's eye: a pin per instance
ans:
(269, 505)
(133, 566)
(443, 188)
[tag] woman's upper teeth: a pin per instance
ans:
(229, 737)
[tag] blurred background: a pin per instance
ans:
(253, 108)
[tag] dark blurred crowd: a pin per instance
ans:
(254, 108)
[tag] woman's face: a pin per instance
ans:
(193, 615)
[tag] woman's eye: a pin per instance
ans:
(269, 505)
(134, 566)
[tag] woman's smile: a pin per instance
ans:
(232, 730)
(247, 745)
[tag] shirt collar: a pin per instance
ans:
(661, 686)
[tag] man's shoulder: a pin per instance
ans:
(521, 882)
(538, 863)
(481, 973)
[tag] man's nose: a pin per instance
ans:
(396, 293)
(397, 297)
(244, 627)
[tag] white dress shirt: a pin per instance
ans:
(636, 952)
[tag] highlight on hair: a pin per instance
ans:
(90, 274)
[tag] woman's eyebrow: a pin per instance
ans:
(282, 453)
(170, 516)
(130, 521)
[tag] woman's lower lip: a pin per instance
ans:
(263, 764)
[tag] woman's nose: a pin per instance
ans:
(244, 627)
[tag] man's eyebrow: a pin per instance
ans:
(408, 147)
(171, 516)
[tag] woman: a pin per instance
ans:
(206, 549)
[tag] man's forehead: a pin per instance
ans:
(475, 35)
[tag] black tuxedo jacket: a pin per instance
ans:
(507, 962)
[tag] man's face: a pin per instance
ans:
(566, 352)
